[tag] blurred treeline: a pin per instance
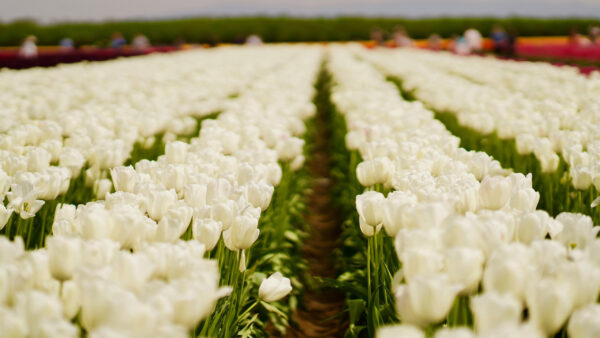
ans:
(276, 29)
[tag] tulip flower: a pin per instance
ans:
(274, 288)
(584, 322)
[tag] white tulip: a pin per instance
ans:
(70, 298)
(370, 206)
(64, 255)
(532, 226)
(550, 303)
(195, 195)
(585, 322)
(207, 231)
(375, 171)
(158, 203)
(23, 200)
(464, 266)
(578, 230)
(259, 194)
(494, 192)
(512, 330)
(403, 330)
(242, 233)
(124, 178)
(421, 261)
(508, 270)
(425, 299)
(395, 212)
(12, 323)
(274, 288)
(492, 309)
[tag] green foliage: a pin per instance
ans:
(275, 29)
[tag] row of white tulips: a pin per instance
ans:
(461, 223)
(548, 110)
(60, 120)
(119, 264)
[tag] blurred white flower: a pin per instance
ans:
(585, 322)
(274, 288)
(492, 309)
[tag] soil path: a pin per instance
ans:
(320, 313)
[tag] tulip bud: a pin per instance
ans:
(274, 174)
(550, 303)
(420, 261)
(578, 230)
(395, 212)
(102, 187)
(584, 322)
(242, 233)
(176, 152)
(375, 171)
(532, 226)
(70, 298)
(367, 229)
(525, 143)
(494, 192)
(38, 159)
(290, 148)
(581, 177)
(207, 232)
(224, 212)
(158, 202)
(508, 270)
(464, 266)
(297, 162)
(426, 299)
(259, 194)
(124, 178)
(370, 206)
(174, 223)
(64, 254)
(274, 288)
(492, 309)
(549, 162)
(525, 199)
(513, 331)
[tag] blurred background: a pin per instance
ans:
(43, 33)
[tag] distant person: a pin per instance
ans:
(140, 42)
(378, 36)
(29, 48)
(595, 35)
(461, 46)
(434, 42)
(474, 40)
(499, 39)
(117, 41)
(401, 37)
(66, 45)
(511, 42)
(576, 39)
(254, 40)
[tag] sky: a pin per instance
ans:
(48, 11)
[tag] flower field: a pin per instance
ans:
(300, 191)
